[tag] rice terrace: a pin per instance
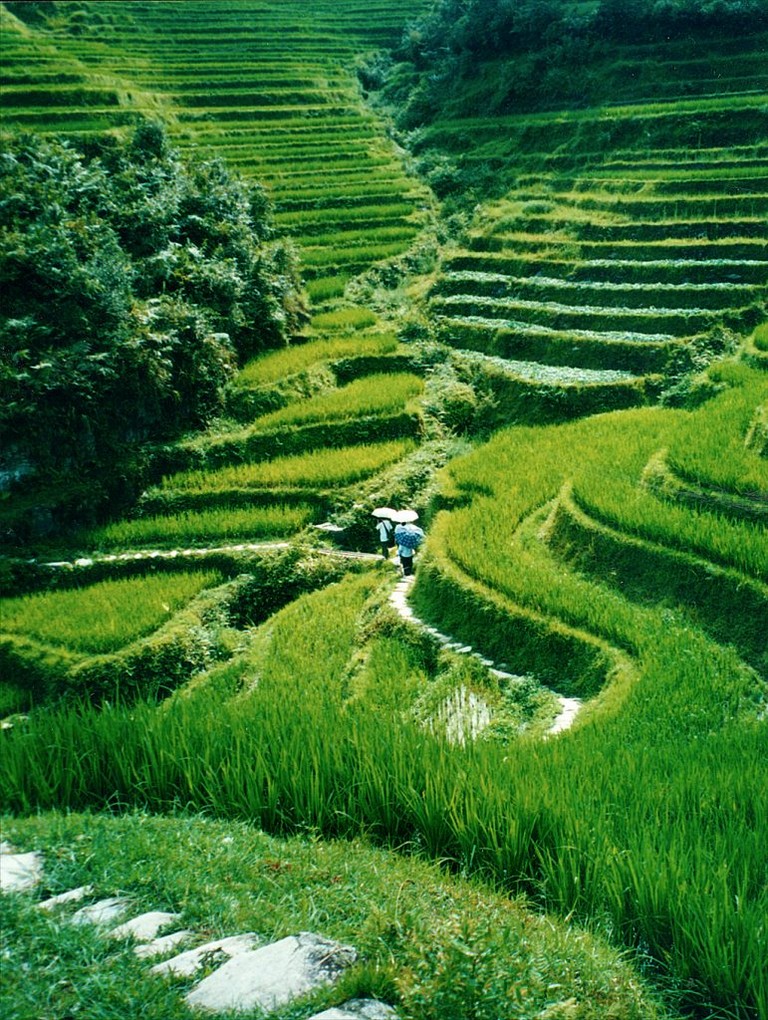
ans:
(269, 266)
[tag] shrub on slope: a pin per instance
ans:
(131, 285)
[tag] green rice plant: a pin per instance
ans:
(531, 818)
(335, 239)
(710, 446)
(372, 395)
(105, 616)
(607, 485)
(351, 257)
(518, 474)
(254, 882)
(344, 319)
(314, 468)
(612, 497)
(647, 572)
(369, 213)
(326, 287)
(300, 655)
(507, 311)
(223, 525)
(277, 365)
(761, 337)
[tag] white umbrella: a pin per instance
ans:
(405, 516)
(384, 511)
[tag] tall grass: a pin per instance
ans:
(666, 848)
(344, 319)
(314, 468)
(423, 954)
(200, 528)
(709, 448)
(327, 287)
(104, 616)
(278, 364)
(372, 395)
(610, 491)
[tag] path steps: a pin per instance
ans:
(475, 713)
(468, 714)
(250, 974)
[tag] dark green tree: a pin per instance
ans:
(131, 287)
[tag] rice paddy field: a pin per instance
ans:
(598, 328)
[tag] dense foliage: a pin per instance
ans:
(509, 26)
(131, 287)
(548, 46)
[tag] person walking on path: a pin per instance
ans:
(408, 538)
(385, 528)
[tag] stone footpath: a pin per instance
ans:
(470, 714)
(249, 973)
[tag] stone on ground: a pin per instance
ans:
(70, 896)
(162, 945)
(102, 912)
(274, 975)
(358, 1009)
(144, 927)
(20, 872)
(185, 964)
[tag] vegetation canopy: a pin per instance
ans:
(133, 286)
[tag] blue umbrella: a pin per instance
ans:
(409, 538)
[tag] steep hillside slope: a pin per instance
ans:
(622, 239)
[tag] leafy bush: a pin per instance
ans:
(130, 287)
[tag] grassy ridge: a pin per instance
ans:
(647, 865)
(275, 887)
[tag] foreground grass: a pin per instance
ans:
(433, 946)
(651, 818)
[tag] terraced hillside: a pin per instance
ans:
(632, 234)
(596, 333)
(270, 88)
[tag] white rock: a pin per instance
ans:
(20, 872)
(569, 709)
(358, 1009)
(464, 715)
(162, 945)
(185, 964)
(144, 927)
(274, 975)
(102, 912)
(71, 896)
